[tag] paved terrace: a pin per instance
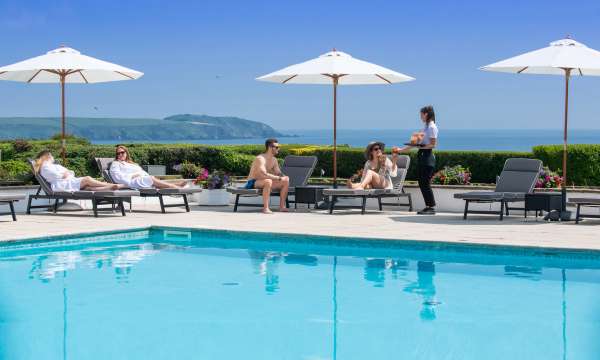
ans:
(483, 229)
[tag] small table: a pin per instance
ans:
(308, 194)
(544, 201)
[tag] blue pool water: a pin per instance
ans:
(179, 294)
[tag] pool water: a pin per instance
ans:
(178, 294)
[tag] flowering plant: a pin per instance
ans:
(201, 177)
(548, 179)
(189, 170)
(452, 175)
(218, 179)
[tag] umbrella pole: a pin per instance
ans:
(564, 162)
(63, 151)
(335, 83)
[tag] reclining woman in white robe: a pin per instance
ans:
(63, 179)
(124, 171)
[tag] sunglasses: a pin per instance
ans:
(376, 148)
(121, 152)
(275, 147)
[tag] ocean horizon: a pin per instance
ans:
(450, 139)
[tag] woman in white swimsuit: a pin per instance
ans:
(124, 171)
(63, 179)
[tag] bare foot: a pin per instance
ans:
(284, 209)
(349, 183)
(117, 186)
(267, 211)
(182, 183)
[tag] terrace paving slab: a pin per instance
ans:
(399, 225)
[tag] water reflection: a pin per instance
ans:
(266, 263)
(46, 267)
(425, 287)
(301, 259)
(375, 270)
(524, 272)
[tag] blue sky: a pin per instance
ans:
(202, 57)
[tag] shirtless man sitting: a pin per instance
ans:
(265, 174)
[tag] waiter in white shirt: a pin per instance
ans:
(426, 142)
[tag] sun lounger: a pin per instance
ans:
(98, 198)
(297, 168)
(104, 166)
(518, 178)
(397, 192)
(585, 202)
(10, 200)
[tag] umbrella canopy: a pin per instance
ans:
(348, 70)
(565, 57)
(66, 65)
(335, 68)
(553, 60)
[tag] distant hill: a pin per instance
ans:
(176, 127)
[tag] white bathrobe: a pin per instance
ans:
(55, 175)
(122, 172)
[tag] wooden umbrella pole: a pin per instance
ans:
(565, 153)
(63, 151)
(335, 83)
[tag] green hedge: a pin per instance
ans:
(15, 170)
(584, 160)
(583, 166)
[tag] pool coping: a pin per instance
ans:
(346, 240)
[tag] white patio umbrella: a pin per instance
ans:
(66, 65)
(565, 57)
(335, 68)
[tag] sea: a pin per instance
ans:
(449, 139)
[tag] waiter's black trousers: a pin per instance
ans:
(425, 175)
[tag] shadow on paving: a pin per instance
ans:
(473, 220)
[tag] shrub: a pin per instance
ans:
(452, 175)
(71, 139)
(583, 165)
(190, 171)
(6, 151)
(15, 170)
(584, 160)
(20, 145)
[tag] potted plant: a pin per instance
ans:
(214, 185)
(548, 179)
(452, 175)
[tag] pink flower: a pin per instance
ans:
(203, 174)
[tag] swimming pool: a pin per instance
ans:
(164, 293)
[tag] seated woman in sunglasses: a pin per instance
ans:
(124, 171)
(378, 170)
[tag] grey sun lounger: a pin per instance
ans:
(298, 168)
(397, 192)
(10, 201)
(518, 178)
(98, 198)
(104, 166)
(585, 202)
